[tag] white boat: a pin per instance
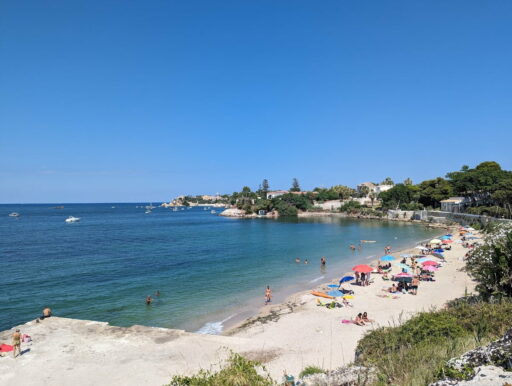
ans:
(148, 211)
(150, 206)
(72, 219)
(175, 209)
(14, 214)
(213, 212)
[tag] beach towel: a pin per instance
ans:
(346, 321)
(5, 347)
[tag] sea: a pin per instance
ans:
(211, 271)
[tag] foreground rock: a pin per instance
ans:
(483, 365)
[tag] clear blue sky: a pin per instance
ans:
(144, 100)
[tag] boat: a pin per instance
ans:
(14, 214)
(72, 219)
(175, 209)
(150, 206)
(148, 211)
(212, 211)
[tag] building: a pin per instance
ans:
(370, 185)
(382, 188)
(453, 204)
(275, 193)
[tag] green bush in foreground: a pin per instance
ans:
(310, 370)
(416, 352)
(238, 372)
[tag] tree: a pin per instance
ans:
(387, 181)
(431, 192)
(407, 181)
(372, 197)
(343, 191)
(365, 190)
(295, 186)
(491, 263)
(400, 195)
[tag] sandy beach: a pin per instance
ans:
(286, 337)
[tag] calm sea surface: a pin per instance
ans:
(208, 268)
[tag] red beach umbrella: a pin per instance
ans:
(362, 268)
(430, 262)
(403, 274)
(447, 241)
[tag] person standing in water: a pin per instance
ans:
(148, 300)
(268, 295)
(323, 261)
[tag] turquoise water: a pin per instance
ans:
(208, 268)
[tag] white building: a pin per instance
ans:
(453, 204)
(275, 193)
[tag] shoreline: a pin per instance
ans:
(266, 313)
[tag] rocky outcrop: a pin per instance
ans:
(345, 376)
(233, 212)
(482, 364)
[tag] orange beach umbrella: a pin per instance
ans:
(362, 268)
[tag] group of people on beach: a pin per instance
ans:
(323, 261)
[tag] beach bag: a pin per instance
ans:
(26, 338)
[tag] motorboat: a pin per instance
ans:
(213, 212)
(14, 214)
(148, 211)
(72, 219)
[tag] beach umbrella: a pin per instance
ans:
(447, 241)
(346, 278)
(387, 258)
(430, 268)
(438, 250)
(449, 234)
(473, 238)
(438, 255)
(423, 259)
(470, 229)
(435, 241)
(348, 297)
(430, 262)
(332, 286)
(403, 274)
(362, 268)
(403, 266)
(468, 234)
(335, 293)
(446, 237)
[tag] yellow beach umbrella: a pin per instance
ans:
(435, 241)
(348, 297)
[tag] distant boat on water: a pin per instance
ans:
(175, 209)
(148, 211)
(59, 207)
(150, 206)
(213, 212)
(72, 219)
(14, 214)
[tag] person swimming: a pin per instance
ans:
(306, 261)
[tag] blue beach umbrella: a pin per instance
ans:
(445, 237)
(332, 286)
(346, 278)
(404, 267)
(335, 293)
(387, 258)
(438, 250)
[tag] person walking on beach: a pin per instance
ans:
(16, 342)
(268, 295)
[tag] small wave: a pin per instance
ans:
(370, 257)
(214, 328)
(317, 279)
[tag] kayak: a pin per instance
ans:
(322, 294)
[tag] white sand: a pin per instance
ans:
(76, 352)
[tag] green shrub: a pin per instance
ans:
(238, 372)
(310, 370)
(416, 352)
